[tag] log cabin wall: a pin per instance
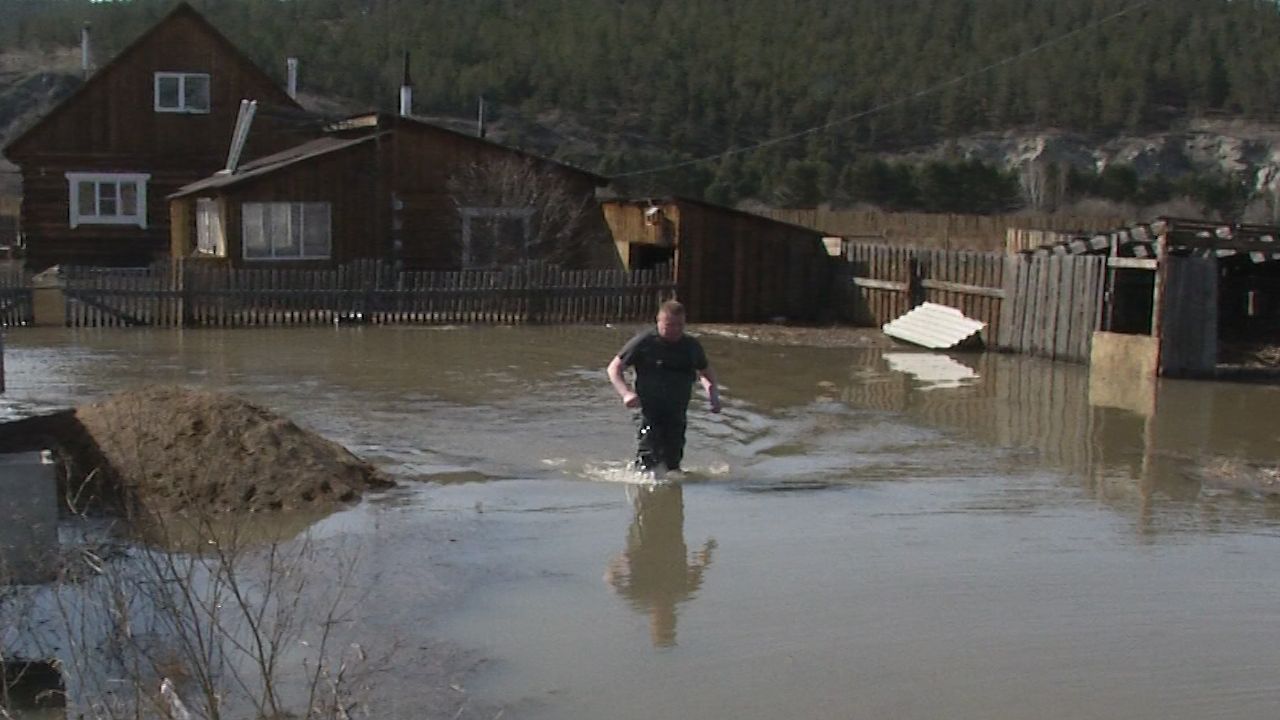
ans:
(111, 125)
(419, 162)
(393, 184)
(346, 180)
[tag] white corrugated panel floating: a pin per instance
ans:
(933, 326)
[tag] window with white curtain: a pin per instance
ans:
(286, 231)
(210, 238)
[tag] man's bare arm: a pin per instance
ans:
(629, 398)
(708, 379)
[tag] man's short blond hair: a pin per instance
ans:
(674, 308)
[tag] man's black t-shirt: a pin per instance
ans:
(665, 371)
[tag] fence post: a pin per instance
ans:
(915, 288)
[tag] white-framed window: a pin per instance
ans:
(210, 239)
(108, 198)
(495, 236)
(179, 92)
(285, 231)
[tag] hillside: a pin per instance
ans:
(1030, 101)
(30, 84)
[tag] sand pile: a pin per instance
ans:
(168, 449)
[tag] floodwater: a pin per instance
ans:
(861, 534)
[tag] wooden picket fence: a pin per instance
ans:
(1045, 305)
(205, 295)
(16, 301)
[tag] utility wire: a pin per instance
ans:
(893, 103)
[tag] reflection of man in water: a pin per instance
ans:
(667, 362)
(656, 571)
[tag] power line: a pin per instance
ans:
(893, 103)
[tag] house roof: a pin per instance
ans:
(271, 163)
(367, 124)
(375, 119)
(182, 9)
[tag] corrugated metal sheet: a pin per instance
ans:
(933, 326)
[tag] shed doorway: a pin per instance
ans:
(644, 256)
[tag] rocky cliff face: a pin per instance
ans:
(1227, 147)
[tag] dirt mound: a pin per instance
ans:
(167, 449)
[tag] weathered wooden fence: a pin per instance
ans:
(16, 306)
(204, 295)
(888, 281)
(1044, 305)
(1052, 305)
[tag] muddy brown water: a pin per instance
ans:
(863, 533)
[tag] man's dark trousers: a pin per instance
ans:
(660, 434)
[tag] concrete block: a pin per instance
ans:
(28, 518)
(1122, 372)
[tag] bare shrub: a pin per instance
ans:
(544, 214)
(207, 623)
(196, 615)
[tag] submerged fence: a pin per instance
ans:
(205, 295)
(16, 300)
(1046, 305)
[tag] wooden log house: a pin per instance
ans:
(97, 168)
(393, 187)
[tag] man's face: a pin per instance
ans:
(670, 327)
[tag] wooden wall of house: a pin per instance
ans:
(629, 226)
(735, 267)
(345, 179)
(421, 160)
(110, 125)
(46, 222)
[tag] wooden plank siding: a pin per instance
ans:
(731, 266)
(110, 125)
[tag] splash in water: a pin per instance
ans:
(624, 472)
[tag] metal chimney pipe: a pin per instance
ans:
(292, 64)
(86, 50)
(406, 89)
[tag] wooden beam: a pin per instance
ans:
(874, 284)
(963, 288)
(1238, 243)
(1132, 263)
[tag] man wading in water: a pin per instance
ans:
(666, 361)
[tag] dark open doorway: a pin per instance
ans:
(646, 257)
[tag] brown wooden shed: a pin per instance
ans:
(730, 265)
(394, 188)
(97, 168)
